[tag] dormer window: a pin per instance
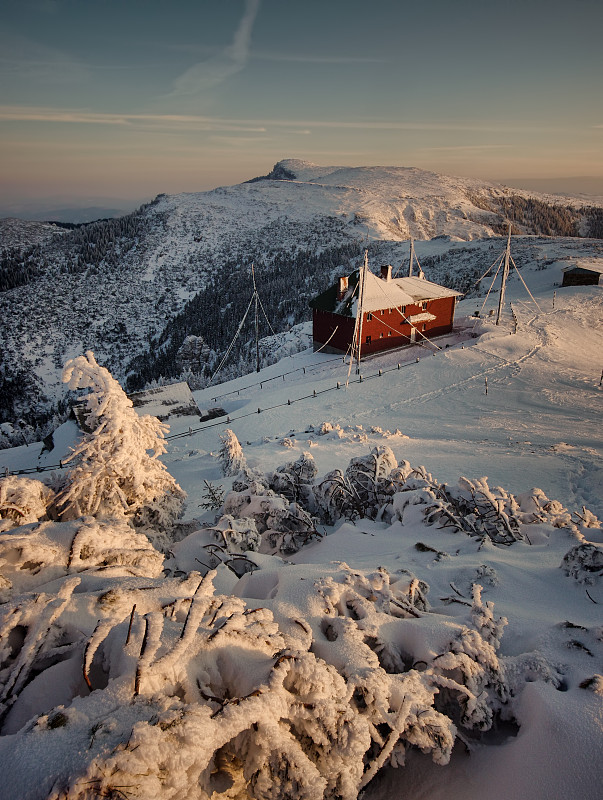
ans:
(369, 317)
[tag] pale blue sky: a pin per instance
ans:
(129, 98)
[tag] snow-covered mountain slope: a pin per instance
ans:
(21, 233)
(132, 289)
(319, 671)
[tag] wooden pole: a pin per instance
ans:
(503, 282)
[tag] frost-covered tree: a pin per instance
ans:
(231, 454)
(116, 470)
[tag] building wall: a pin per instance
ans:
(387, 329)
(324, 324)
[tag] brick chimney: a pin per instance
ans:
(386, 272)
(343, 287)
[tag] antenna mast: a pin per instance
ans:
(257, 322)
(362, 277)
(503, 282)
(412, 256)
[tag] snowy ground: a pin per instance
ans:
(538, 425)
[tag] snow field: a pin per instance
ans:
(393, 638)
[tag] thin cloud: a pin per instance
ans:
(208, 74)
(173, 121)
(25, 60)
(466, 147)
(316, 59)
(42, 114)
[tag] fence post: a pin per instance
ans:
(486, 382)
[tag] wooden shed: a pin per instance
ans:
(585, 272)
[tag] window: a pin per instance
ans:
(423, 327)
(369, 317)
(381, 335)
(389, 333)
(368, 340)
(402, 309)
(424, 305)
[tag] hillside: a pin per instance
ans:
(434, 632)
(132, 289)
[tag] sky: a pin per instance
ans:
(119, 100)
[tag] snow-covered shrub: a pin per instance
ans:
(113, 547)
(361, 491)
(335, 498)
(33, 555)
(593, 684)
(284, 526)
(470, 675)
(473, 506)
(28, 642)
(236, 535)
(293, 480)
(368, 476)
(535, 506)
(203, 691)
(250, 480)
(114, 474)
(22, 500)
(584, 562)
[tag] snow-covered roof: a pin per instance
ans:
(165, 401)
(591, 264)
(380, 294)
(424, 317)
(421, 289)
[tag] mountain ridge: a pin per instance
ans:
(133, 288)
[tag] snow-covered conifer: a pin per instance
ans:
(231, 454)
(117, 469)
